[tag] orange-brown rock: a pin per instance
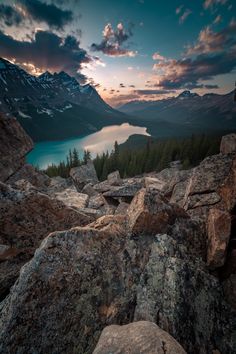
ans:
(219, 227)
(141, 337)
(14, 145)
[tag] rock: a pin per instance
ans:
(83, 175)
(228, 144)
(59, 184)
(127, 191)
(114, 178)
(72, 198)
(102, 187)
(122, 208)
(230, 290)
(177, 292)
(219, 228)
(89, 190)
(28, 173)
(139, 337)
(99, 203)
(86, 278)
(154, 183)
(25, 219)
(149, 212)
(14, 145)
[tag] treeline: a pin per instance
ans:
(154, 156)
(72, 160)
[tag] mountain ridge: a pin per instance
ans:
(43, 104)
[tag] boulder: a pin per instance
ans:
(72, 198)
(25, 219)
(219, 228)
(114, 178)
(28, 173)
(83, 175)
(89, 190)
(122, 208)
(228, 144)
(124, 191)
(150, 212)
(14, 145)
(141, 337)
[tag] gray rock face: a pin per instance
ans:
(228, 144)
(114, 178)
(28, 173)
(25, 219)
(83, 175)
(14, 145)
(139, 337)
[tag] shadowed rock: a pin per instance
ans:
(83, 175)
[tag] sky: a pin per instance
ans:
(128, 49)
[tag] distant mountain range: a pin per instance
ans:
(53, 106)
(186, 113)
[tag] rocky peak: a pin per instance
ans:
(187, 94)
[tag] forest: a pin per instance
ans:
(155, 155)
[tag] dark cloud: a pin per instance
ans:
(9, 16)
(49, 13)
(113, 40)
(186, 73)
(47, 51)
(132, 86)
(218, 56)
(153, 92)
(212, 42)
(122, 85)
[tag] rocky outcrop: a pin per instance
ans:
(83, 175)
(26, 218)
(81, 280)
(14, 145)
(114, 178)
(228, 144)
(139, 337)
(29, 174)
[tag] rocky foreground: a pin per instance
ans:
(142, 265)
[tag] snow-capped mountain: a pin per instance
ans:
(52, 106)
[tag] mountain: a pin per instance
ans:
(52, 106)
(188, 111)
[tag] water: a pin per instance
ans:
(48, 152)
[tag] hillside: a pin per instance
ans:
(52, 106)
(186, 113)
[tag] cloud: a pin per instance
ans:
(179, 9)
(186, 73)
(212, 42)
(113, 40)
(184, 16)
(218, 19)
(10, 16)
(51, 14)
(122, 85)
(47, 51)
(157, 56)
(153, 92)
(211, 3)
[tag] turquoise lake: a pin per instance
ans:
(48, 152)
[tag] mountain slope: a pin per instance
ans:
(52, 106)
(189, 110)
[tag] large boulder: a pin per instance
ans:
(25, 219)
(114, 178)
(28, 173)
(139, 337)
(83, 175)
(14, 145)
(219, 229)
(72, 198)
(228, 144)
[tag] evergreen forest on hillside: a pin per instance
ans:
(154, 156)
